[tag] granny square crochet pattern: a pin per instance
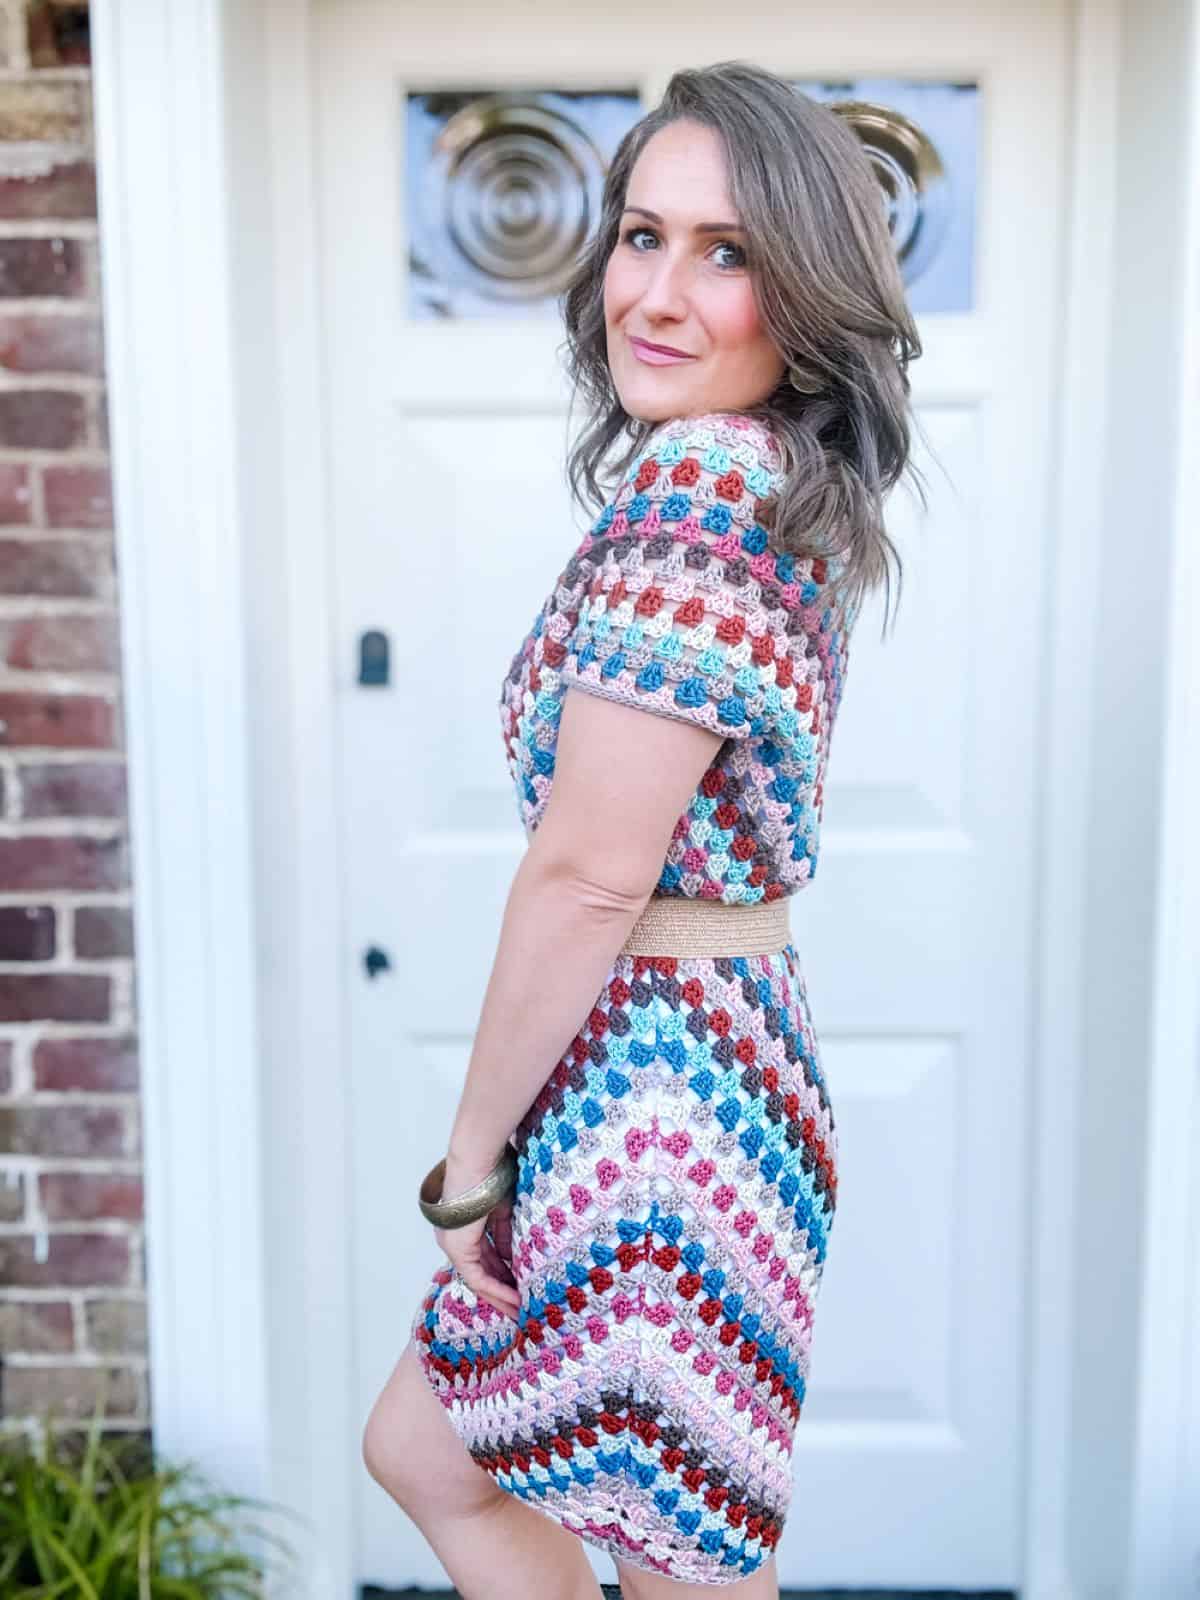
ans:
(677, 1172)
(676, 602)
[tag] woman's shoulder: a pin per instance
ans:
(695, 480)
(747, 439)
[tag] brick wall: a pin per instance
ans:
(72, 1311)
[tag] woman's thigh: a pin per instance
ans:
(411, 1449)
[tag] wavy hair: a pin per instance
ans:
(829, 292)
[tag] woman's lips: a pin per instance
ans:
(655, 358)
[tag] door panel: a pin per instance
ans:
(449, 519)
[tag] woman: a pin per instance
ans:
(621, 1341)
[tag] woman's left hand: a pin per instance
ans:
(481, 1250)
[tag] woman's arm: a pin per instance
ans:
(621, 780)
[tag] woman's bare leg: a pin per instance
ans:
(492, 1545)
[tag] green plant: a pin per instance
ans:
(106, 1522)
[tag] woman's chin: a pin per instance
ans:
(653, 401)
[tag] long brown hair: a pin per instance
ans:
(829, 292)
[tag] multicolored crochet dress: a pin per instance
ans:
(678, 1171)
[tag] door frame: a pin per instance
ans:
(229, 695)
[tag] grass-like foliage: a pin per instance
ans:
(104, 1522)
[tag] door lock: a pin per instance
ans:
(375, 961)
(374, 664)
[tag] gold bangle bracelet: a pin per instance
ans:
(472, 1203)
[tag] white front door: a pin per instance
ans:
(448, 520)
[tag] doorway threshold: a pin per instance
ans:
(612, 1592)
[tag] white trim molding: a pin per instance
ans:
(1084, 355)
(1164, 1556)
(167, 269)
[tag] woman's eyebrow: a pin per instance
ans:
(700, 227)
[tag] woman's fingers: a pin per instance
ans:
(495, 1263)
(500, 1226)
(501, 1295)
(479, 1266)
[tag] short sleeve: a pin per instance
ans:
(683, 614)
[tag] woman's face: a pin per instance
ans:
(674, 279)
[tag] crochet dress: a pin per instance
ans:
(678, 1170)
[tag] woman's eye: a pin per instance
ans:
(632, 234)
(726, 244)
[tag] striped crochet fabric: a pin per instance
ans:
(676, 1190)
(675, 602)
(678, 1170)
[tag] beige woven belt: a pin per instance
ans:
(671, 926)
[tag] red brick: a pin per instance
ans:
(86, 643)
(88, 1196)
(42, 419)
(38, 862)
(78, 497)
(73, 1261)
(103, 932)
(73, 789)
(66, 193)
(16, 497)
(37, 1327)
(37, 341)
(55, 997)
(41, 41)
(40, 268)
(116, 1327)
(64, 1130)
(94, 1066)
(12, 1201)
(58, 34)
(26, 933)
(72, 721)
(72, 1392)
(73, 568)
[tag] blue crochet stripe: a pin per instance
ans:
(684, 1506)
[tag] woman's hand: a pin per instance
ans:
(481, 1250)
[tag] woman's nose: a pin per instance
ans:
(664, 294)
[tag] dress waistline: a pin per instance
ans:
(673, 926)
